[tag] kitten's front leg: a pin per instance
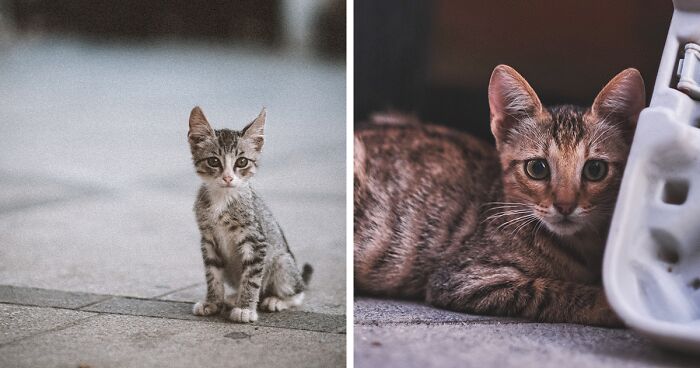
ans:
(213, 270)
(505, 292)
(253, 250)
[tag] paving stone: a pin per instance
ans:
(47, 298)
(18, 322)
(507, 345)
(289, 319)
(372, 311)
(133, 341)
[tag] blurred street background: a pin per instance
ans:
(99, 250)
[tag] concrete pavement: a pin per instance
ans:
(99, 254)
(395, 333)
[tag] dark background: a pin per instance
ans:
(434, 58)
(251, 21)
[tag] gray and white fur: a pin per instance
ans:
(242, 243)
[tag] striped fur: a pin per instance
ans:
(241, 243)
(442, 216)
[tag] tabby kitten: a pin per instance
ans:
(518, 230)
(241, 244)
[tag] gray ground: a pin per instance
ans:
(99, 253)
(394, 333)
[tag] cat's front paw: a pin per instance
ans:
(204, 308)
(273, 304)
(243, 315)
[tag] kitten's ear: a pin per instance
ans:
(199, 126)
(623, 98)
(254, 131)
(511, 99)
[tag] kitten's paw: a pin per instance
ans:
(273, 304)
(205, 309)
(243, 315)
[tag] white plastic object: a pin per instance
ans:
(689, 71)
(651, 270)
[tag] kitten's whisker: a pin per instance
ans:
(506, 208)
(525, 224)
(511, 222)
(503, 203)
(507, 213)
(516, 224)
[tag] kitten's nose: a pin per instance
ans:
(565, 208)
(228, 179)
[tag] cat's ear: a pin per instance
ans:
(199, 127)
(255, 131)
(622, 99)
(511, 99)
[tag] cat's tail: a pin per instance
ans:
(306, 272)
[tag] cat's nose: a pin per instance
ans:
(565, 208)
(228, 179)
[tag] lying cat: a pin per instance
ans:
(514, 231)
(242, 244)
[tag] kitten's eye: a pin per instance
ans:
(595, 170)
(537, 169)
(242, 162)
(213, 162)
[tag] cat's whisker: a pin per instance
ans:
(503, 203)
(514, 221)
(516, 224)
(506, 205)
(490, 221)
(525, 224)
(496, 206)
(502, 214)
(505, 208)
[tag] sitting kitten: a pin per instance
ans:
(242, 243)
(514, 231)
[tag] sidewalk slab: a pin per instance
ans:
(18, 322)
(110, 340)
(110, 304)
(289, 319)
(508, 345)
(391, 333)
(375, 311)
(47, 298)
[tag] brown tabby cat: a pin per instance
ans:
(514, 231)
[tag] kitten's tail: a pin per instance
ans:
(306, 272)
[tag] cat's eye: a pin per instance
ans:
(537, 169)
(213, 162)
(595, 170)
(242, 162)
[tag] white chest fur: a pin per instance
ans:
(220, 199)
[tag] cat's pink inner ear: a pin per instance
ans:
(199, 126)
(623, 98)
(257, 126)
(511, 99)
(255, 131)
